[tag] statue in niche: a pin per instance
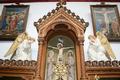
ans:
(60, 48)
(71, 65)
(21, 47)
(99, 48)
(61, 66)
(50, 64)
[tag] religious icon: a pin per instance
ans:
(106, 20)
(61, 59)
(14, 18)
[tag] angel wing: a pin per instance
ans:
(16, 43)
(105, 43)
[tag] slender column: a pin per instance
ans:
(78, 69)
(38, 75)
(82, 59)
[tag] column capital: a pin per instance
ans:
(81, 40)
(40, 40)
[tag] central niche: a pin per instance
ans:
(60, 59)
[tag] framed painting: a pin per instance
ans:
(106, 19)
(13, 22)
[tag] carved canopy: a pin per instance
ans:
(61, 15)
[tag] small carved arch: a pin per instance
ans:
(61, 29)
(77, 30)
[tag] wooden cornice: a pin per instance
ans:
(13, 64)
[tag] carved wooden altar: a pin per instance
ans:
(60, 21)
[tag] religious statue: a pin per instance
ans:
(60, 48)
(105, 43)
(58, 67)
(71, 65)
(99, 48)
(50, 64)
(21, 47)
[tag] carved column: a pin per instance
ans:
(82, 59)
(39, 59)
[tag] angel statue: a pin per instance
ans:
(21, 47)
(105, 43)
(99, 48)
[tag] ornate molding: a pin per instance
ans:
(111, 64)
(13, 64)
(24, 69)
(103, 69)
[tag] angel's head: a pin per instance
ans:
(30, 39)
(91, 38)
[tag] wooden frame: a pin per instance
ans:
(58, 22)
(105, 19)
(14, 19)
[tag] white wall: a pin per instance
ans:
(37, 10)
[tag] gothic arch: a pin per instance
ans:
(61, 22)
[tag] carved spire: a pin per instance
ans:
(61, 3)
(60, 6)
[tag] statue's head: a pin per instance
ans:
(51, 53)
(91, 37)
(59, 45)
(70, 53)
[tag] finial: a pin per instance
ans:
(61, 3)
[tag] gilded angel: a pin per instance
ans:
(99, 48)
(105, 43)
(21, 47)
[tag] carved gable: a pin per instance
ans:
(61, 15)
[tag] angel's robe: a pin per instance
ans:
(105, 43)
(96, 51)
(23, 52)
